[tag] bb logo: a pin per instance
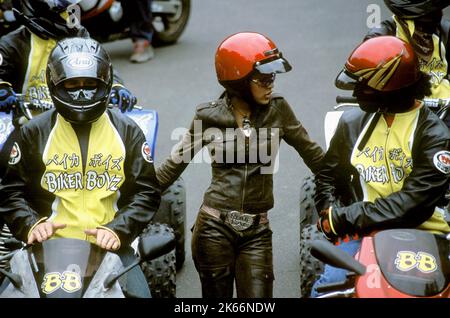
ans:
(424, 262)
(68, 281)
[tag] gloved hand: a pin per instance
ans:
(8, 97)
(122, 97)
(324, 225)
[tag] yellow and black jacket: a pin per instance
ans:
(437, 66)
(115, 187)
(23, 61)
(396, 180)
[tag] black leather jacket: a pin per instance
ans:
(241, 167)
(339, 183)
(24, 201)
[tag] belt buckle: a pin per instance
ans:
(240, 221)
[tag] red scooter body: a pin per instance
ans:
(404, 264)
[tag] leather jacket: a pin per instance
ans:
(242, 168)
(339, 185)
(113, 186)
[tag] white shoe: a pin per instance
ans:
(142, 52)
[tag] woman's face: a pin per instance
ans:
(261, 86)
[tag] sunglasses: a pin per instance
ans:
(265, 81)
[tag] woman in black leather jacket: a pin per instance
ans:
(232, 239)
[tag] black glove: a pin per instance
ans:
(8, 98)
(324, 225)
(122, 97)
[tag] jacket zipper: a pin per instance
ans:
(386, 158)
(245, 175)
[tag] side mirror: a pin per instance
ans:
(330, 254)
(154, 245)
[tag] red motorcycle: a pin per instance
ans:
(310, 267)
(399, 263)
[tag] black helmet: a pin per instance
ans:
(43, 17)
(412, 9)
(82, 60)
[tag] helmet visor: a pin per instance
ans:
(280, 65)
(79, 65)
(345, 81)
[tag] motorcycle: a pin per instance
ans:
(106, 22)
(398, 263)
(310, 267)
(71, 268)
(170, 18)
(171, 215)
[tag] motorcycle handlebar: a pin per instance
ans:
(346, 99)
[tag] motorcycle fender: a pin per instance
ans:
(147, 120)
(20, 265)
(331, 122)
(110, 264)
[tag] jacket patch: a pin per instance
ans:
(15, 155)
(441, 161)
(146, 152)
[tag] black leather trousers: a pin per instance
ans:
(223, 256)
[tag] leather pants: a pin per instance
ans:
(223, 256)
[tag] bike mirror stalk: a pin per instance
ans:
(330, 254)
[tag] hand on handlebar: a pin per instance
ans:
(122, 97)
(8, 98)
(324, 225)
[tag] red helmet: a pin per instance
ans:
(384, 63)
(242, 53)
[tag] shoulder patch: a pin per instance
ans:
(146, 152)
(15, 155)
(441, 161)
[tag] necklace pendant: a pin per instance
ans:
(246, 128)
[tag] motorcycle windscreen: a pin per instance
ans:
(63, 268)
(413, 262)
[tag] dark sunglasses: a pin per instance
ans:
(265, 81)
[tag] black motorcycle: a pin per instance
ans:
(105, 19)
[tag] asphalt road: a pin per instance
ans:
(315, 36)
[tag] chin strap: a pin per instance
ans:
(369, 131)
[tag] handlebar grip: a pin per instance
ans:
(346, 99)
